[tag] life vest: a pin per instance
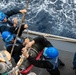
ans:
(5, 26)
(19, 42)
(54, 61)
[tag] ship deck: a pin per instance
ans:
(65, 55)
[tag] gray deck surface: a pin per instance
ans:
(65, 56)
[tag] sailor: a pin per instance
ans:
(49, 58)
(9, 41)
(7, 25)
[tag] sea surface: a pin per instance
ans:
(49, 16)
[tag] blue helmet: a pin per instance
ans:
(50, 52)
(2, 16)
(7, 36)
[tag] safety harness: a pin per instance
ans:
(54, 61)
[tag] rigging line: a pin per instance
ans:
(27, 35)
(22, 20)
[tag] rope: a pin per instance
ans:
(16, 68)
(22, 20)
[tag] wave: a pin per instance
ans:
(49, 16)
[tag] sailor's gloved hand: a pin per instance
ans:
(29, 45)
(15, 22)
(23, 11)
(25, 52)
(25, 26)
(26, 41)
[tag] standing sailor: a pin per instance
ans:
(7, 25)
(9, 39)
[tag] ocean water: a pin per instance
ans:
(49, 16)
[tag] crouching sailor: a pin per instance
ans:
(49, 60)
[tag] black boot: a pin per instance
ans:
(74, 68)
(60, 62)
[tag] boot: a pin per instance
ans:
(60, 62)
